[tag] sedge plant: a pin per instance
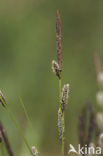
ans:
(63, 93)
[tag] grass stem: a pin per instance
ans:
(18, 128)
(26, 113)
(60, 93)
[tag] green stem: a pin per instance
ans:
(18, 128)
(60, 93)
(26, 113)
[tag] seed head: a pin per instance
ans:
(55, 68)
(34, 151)
(2, 99)
(64, 99)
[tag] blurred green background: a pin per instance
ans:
(27, 47)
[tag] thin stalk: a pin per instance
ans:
(60, 93)
(26, 113)
(18, 128)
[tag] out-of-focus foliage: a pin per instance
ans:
(27, 47)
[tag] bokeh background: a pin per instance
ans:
(27, 47)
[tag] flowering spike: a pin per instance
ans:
(59, 40)
(55, 68)
(59, 123)
(64, 99)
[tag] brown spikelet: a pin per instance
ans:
(59, 40)
(97, 63)
(6, 141)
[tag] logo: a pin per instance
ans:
(85, 150)
(72, 149)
